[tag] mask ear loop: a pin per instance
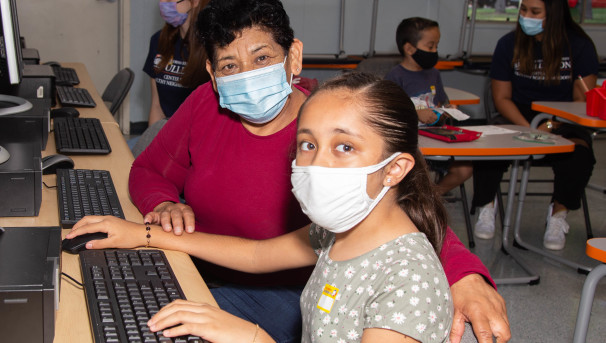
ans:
(291, 74)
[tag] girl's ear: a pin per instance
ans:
(398, 169)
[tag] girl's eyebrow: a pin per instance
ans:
(300, 131)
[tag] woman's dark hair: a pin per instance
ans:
(410, 31)
(558, 25)
(195, 72)
(390, 112)
(222, 20)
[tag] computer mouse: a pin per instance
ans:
(64, 112)
(52, 63)
(51, 163)
(77, 244)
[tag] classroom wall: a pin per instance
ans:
(145, 20)
(316, 23)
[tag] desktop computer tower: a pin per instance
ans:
(37, 82)
(30, 268)
(32, 125)
(21, 180)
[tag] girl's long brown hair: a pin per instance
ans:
(195, 72)
(391, 113)
(558, 25)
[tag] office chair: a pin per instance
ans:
(491, 114)
(380, 66)
(117, 89)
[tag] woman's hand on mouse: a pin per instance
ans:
(173, 217)
(209, 322)
(121, 234)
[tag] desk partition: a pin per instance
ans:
(72, 323)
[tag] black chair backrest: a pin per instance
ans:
(378, 65)
(489, 109)
(117, 89)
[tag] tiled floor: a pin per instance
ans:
(546, 312)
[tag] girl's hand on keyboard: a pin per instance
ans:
(206, 321)
(121, 234)
(173, 217)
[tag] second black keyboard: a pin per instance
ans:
(80, 136)
(124, 289)
(77, 97)
(83, 192)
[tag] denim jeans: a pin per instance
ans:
(275, 309)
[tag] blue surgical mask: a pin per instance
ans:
(531, 26)
(257, 95)
(168, 11)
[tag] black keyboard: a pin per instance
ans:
(77, 97)
(80, 136)
(124, 289)
(65, 76)
(83, 192)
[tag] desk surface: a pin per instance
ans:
(461, 97)
(494, 145)
(72, 324)
(570, 110)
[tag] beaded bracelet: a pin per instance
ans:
(148, 236)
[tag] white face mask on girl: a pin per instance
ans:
(335, 198)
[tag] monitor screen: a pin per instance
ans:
(11, 59)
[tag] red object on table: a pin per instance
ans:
(596, 102)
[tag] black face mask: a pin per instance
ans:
(425, 59)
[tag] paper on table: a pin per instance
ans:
(489, 129)
(455, 113)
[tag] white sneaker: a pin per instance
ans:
(556, 230)
(484, 228)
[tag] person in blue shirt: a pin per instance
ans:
(175, 61)
(541, 60)
(417, 39)
(175, 64)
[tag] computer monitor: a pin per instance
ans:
(11, 63)
(11, 58)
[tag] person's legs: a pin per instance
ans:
(275, 309)
(458, 172)
(487, 177)
(572, 172)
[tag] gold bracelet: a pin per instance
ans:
(256, 332)
(148, 236)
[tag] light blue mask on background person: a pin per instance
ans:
(257, 95)
(168, 11)
(531, 26)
